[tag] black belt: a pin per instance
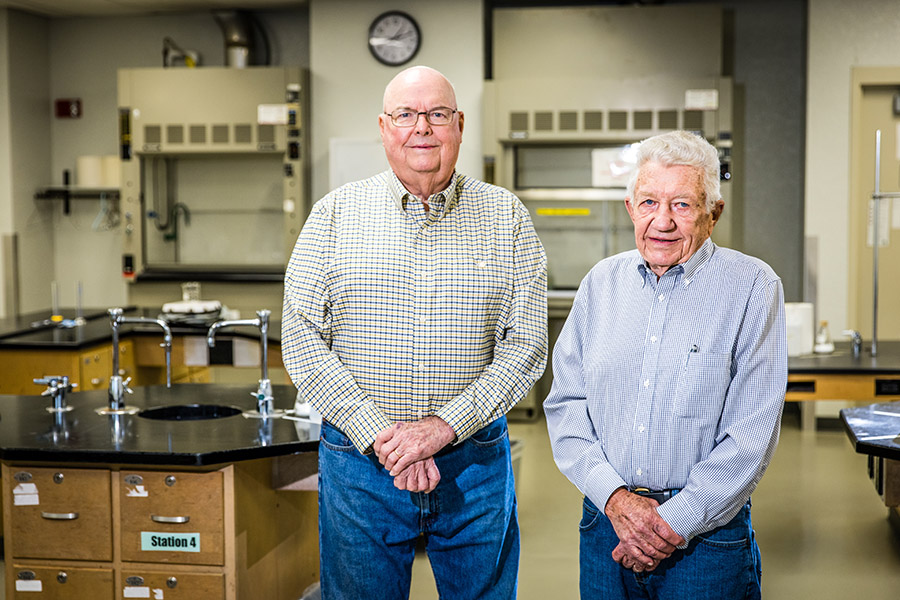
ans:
(660, 496)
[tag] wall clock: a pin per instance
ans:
(394, 38)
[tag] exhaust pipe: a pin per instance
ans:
(237, 26)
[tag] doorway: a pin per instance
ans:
(875, 106)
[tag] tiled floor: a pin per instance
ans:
(821, 527)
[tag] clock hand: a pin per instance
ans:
(383, 41)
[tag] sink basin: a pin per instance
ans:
(189, 412)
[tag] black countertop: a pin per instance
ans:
(33, 331)
(29, 433)
(874, 429)
(841, 361)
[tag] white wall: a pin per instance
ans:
(348, 83)
(842, 35)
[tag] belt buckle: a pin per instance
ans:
(660, 496)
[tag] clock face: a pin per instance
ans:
(394, 38)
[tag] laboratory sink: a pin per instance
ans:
(189, 412)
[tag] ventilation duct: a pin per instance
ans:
(239, 29)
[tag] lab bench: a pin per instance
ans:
(121, 505)
(874, 430)
(31, 347)
(841, 376)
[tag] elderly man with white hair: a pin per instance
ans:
(668, 386)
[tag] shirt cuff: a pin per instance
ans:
(674, 512)
(365, 425)
(600, 485)
(461, 417)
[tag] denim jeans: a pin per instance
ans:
(722, 564)
(368, 529)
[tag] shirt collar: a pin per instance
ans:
(689, 268)
(441, 201)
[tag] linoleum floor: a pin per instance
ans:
(822, 529)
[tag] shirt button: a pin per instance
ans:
(420, 367)
(422, 320)
(662, 297)
(653, 338)
(646, 383)
(640, 472)
(641, 429)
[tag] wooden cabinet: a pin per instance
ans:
(60, 513)
(34, 582)
(117, 532)
(90, 368)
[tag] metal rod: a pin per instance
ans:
(876, 208)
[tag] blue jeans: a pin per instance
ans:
(368, 529)
(722, 564)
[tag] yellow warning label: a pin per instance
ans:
(564, 212)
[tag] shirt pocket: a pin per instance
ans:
(702, 385)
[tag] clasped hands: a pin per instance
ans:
(407, 451)
(645, 538)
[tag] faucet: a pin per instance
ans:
(117, 387)
(57, 386)
(263, 395)
(856, 339)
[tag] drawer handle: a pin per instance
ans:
(162, 519)
(59, 516)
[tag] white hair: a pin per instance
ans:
(682, 148)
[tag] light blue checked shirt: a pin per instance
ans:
(393, 314)
(675, 383)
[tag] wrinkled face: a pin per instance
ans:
(669, 214)
(423, 150)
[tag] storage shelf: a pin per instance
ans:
(75, 192)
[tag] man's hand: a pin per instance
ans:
(403, 444)
(644, 537)
(421, 476)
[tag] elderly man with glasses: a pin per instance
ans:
(414, 319)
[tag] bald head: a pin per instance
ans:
(422, 155)
(414, 78)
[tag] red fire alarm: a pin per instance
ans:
(68, 108)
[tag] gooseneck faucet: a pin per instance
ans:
(263, 395)
(117, 387)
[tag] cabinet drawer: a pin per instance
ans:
(60, 513)
(172, 517)
(140, 583)
(62, 583)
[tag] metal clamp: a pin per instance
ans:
(57, 387)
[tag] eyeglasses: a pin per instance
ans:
(407, 117)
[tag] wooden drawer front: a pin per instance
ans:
(182, 511)
(140, 583)
(60, 513)
(62, 583)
